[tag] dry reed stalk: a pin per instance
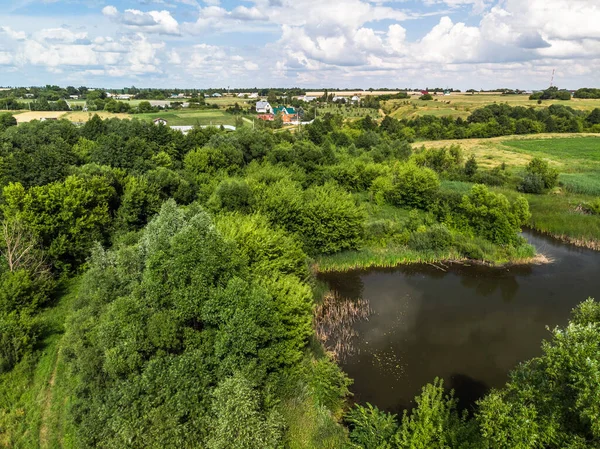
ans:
(333, 321)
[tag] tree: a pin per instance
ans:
(7, 120)
(20, 249)
(471, 167)
(67, 217)
(552, 401)
(593, 118)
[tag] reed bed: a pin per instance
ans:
(334, 320)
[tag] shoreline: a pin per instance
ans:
(593, 245)
(441, 263)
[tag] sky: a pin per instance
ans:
(479, 44)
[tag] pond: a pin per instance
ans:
(469, 325)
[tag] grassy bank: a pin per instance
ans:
(393, 256)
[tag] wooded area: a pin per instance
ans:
(182, 266)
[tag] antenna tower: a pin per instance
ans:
(552, 79)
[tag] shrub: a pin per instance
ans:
(426, 97)
(532, 183)
(331, 221)
(471, 167)
(492, 216)
(494, 177)
(437, 238)
(413, 186)
(18, 334)
(371, 428)
(548, 175)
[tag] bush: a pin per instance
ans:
(492, 216)
(331, 220)
(548, 175)
(426, 97)
(494, 177)
(471, 167)
(532, 183)
(413, 186)
(18, 334)
(437, 238)
(371, 428)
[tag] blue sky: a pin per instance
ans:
(308, 43)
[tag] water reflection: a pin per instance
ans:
(468, 325)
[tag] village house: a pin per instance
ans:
(253, 95)
(263, 107)
(159, 121)
(306, 98)
(216, 95)
(288, 114)
(355, 99)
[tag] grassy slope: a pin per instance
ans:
(33, 396)
(461, 105)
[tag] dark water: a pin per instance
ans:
(468, 325)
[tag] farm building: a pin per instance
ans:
(159, 121)
(263, 107)
(216, 95)
(355, 99)
(253, 95)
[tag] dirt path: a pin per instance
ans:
(47, 402)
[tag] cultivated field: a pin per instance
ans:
(81, 117)
(37, 115)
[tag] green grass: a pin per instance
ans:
(583, 183)
(191, 117)
(582, 149)
(382, 257)
(347, 112)
(34, 396)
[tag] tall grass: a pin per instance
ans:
(582, 183)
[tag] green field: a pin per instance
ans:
(461, 105)
(191, 117)
(347, 112)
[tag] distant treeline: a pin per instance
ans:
(493, 121)
(587, 92)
